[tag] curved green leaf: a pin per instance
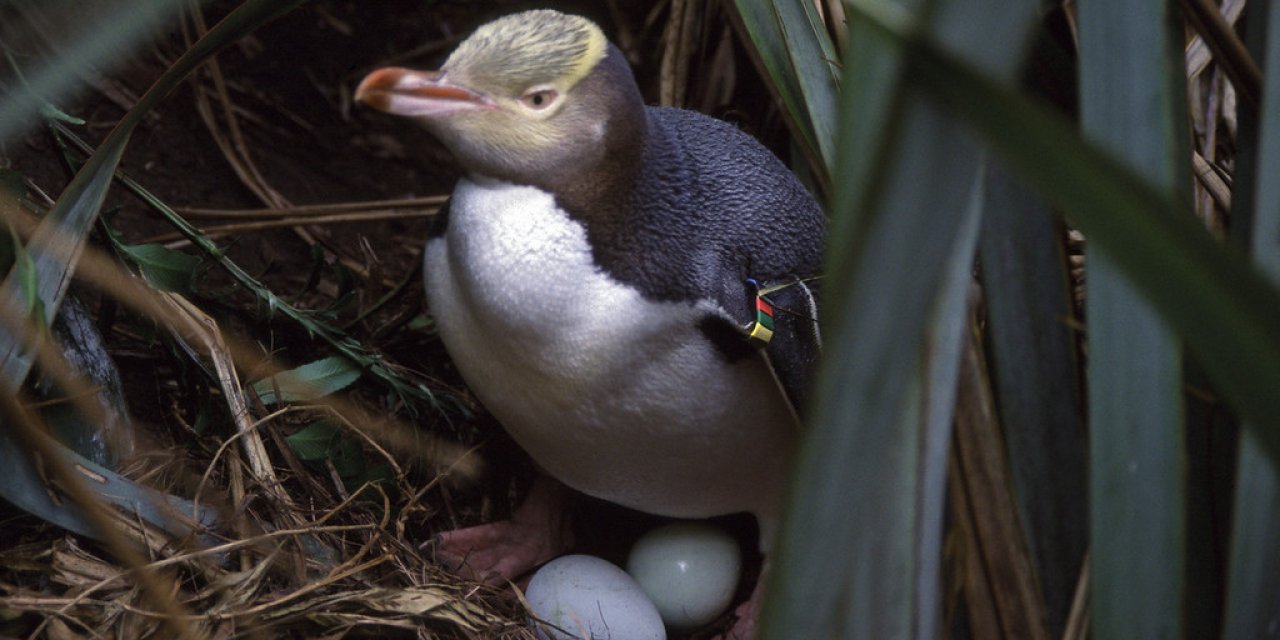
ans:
(308, 382)
(166, 269)
(769, 39)
(316, 441)
(1036, 380)
(811, 60)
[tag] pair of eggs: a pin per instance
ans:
(683, 574)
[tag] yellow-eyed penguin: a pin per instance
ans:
(597, 277)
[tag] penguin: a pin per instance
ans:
(629, 289)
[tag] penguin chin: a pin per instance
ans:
(471, 151)
(511, 161)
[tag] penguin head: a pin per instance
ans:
(527, 96)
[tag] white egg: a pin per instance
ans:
(585, 598)
(689, 570)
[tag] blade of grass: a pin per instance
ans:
(164, 268)
(1035, 376)
(1253, 589)
(864, 451)
(811, 60)
(938, 386)
(1253, 573)
(1133, 97)
(758, 22)
(809, 590)
(1253, 582)
(307, 382)
(869, 477)
(1219, 303)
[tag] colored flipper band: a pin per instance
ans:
(761, 331)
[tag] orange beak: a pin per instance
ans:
(407, 92)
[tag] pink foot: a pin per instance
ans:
(498, 552)
(746, 614)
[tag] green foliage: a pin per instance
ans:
(308, 382)
(1136, 112)
(926, 87)
(1218, 303)
(1027, 290)
(23, 272)
(164, 268)
(1253, 573)
(270, 304)
(320, 440)
(800, 59)
(326, 441)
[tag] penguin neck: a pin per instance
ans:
(597, 191)
(601, 192)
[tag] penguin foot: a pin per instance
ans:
(499, 552)
(745, 616)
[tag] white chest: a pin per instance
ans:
(615, 395)
(524, 273)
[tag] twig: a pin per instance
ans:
(1198, 54)
(1227, 48)
(316, 209)
(175, 239)
(1213, 183)
(1078, 618)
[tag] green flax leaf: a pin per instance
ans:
(166, 269)
(1133, 104)
(308, 382)
(1031, 349)
(1220, 304)
(859, 547)
(1253, 574)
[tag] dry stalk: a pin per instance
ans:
(175, 239)
(399, 204)
(195, 322)
(1198, 54)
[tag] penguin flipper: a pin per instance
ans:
(796, 344)
(784, 330)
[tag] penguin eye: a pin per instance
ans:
(539, 99)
